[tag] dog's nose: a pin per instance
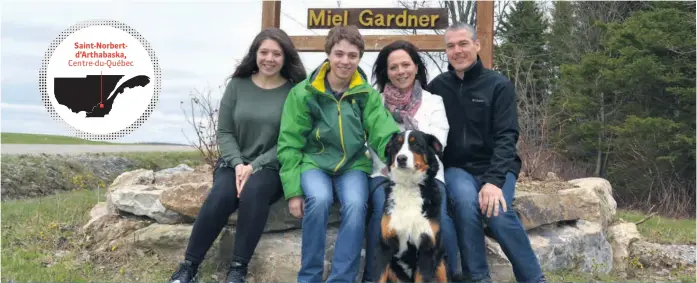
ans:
(402, 161)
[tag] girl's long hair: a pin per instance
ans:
(292, 70)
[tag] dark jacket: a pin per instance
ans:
(482, 114)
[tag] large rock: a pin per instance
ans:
(607, 208)
(621, 236)
(652, 255)
(144, 200)
(175, 196)
(589, 200)
(166, 202)
(187, 198)
(581, 247)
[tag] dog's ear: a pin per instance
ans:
(435, 145)
(388, 150)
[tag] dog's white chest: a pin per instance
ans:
(406, 219)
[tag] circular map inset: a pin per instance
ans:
(101, 78)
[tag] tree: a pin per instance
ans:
(523, 58)
(632, 103)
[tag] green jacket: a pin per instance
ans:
(319, 131)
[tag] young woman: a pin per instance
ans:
(327, 120)
(400, 75)
(246, 176)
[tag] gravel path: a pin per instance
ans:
(78, 148)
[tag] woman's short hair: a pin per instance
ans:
(292, 70)
(349, 33)
(380, 66)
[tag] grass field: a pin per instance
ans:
(41, 239)
(662, 230)
(42, 243)
(20, 138)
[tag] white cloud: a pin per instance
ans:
(21, 107)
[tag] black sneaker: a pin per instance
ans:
(237, 272)
(185, 274)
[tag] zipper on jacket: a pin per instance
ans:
(341, 127)
(341, 133)
(464, 126)
(320, 142)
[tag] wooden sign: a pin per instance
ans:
(378, 18)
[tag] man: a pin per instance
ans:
(327, 120)
(481, 160)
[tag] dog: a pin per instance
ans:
(410, 248)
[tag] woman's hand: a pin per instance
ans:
(296, 206)
(242, 175)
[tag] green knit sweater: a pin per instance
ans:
(248, 123)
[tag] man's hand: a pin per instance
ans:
(489, 198)
(296, 206)
(242, 173)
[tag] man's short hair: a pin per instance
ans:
(460, 25)
(349, 33)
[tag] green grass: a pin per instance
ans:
(38, 175)
(20, 138)
(42, 239)
(660, 229)
(41, 242)
(575, 276)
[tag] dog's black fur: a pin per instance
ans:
(425, 262)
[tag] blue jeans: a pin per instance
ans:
(377, 202)
(351, 188)
(506, 228)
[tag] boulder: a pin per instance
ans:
(661, 256)
(144, 200)
(565, 221)
(607, 208)
(175, 196)
(587, 200)
(580, 246)
(621, 235)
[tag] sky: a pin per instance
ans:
(197, 45)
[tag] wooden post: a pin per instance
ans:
(271, 14)
(485, 31)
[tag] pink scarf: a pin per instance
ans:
(403, 106)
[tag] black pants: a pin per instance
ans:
(262, 189)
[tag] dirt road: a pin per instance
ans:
(78, 148)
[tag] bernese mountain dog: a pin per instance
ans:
(410, 248)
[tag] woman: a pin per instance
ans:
(246, 175)
(400, 75)
(327, 120)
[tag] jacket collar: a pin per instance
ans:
(471, 73)
(318, 78)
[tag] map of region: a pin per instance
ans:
(93, 94)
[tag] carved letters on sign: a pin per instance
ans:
(378, 18)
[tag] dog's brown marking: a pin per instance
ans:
(417, 277)
(412, 139)
(420, 162)
(435, 227)
(441, 275)
(388, 274)
(386, 232)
